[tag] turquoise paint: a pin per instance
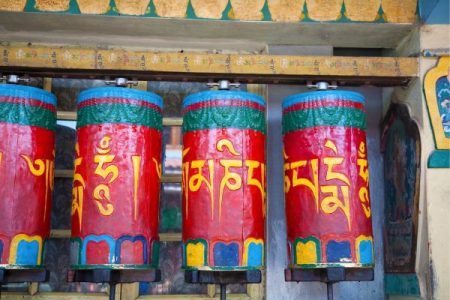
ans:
(255, 255)
(439, 159)
(443, 103)
(226, 12)
(266, 12)
(366, 252)
(27, 253)
(401, 284)
(116, 92)
(27, 92)
(434, 11)
(190, 14)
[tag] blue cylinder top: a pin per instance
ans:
(323, 95)
(120, 92)
(28, 92)
(222, 95)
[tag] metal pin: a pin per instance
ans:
(223, 84)
(15, 79)
(322, 85)
(329, 290)
(121, 82)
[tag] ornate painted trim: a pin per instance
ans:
(113, 113)
(28, 115)
(15, 253)
(431, 78)
(195, 261)
(324, 116)
(241, 10)
(248, 243)
(224, 117)
(305, 241)
(132, 239)
(96, 239)
(360, 254)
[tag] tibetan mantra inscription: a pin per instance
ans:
(115, 208)
(27, 154)
(326, 180)
(223, 179)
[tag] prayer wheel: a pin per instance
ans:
(27, 154)
(115, 208)
(223, 180)
(326, 180)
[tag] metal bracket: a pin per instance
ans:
(223, 278)
(114, 276)
(223, 84)
(122, 82)
(328, 276)
(322, 85)
(14, 79)
(23, 275)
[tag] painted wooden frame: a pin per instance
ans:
(439, 111)
(441, 70)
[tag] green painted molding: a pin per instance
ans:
(439, 159)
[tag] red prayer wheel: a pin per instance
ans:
(223, 179)
(115, 208)
(27, 154)
(327, 180)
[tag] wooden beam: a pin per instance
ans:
(59, 61)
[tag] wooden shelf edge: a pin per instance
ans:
(85, 62)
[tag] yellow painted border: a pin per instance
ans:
(431, 78)
(27, 238)
(358, 241)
